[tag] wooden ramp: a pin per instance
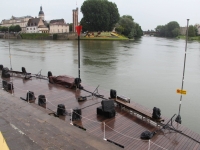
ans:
(123, 130)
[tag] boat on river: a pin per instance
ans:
(123, 130)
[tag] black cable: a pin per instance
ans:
(90, 105)
(94, 94)
(99, 96)
(177, 131)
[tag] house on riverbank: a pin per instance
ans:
(36, 25)
(58, 26)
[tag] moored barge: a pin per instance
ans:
(123, 130)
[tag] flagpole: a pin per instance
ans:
(78, 29)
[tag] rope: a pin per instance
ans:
(90, 105)
(87, 118)
(124, 134)
(149, 144)
(158, 145)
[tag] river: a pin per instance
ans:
(148, 70)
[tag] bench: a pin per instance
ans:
(123, 98)
(137, 110)
(26, 75)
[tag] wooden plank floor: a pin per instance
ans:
(124, 129)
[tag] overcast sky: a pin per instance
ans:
(148, 13)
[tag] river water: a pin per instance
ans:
(148, 70)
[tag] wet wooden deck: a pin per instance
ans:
(124, 129)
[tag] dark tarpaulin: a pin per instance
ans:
(63, 80)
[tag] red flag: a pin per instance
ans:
(78, 30)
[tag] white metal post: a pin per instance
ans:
(71, 117)
(46, 104)
(12, 88)
(28, 95)
(104, 131)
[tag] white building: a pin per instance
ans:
(21, 21)
(36, 25)
(58, 26)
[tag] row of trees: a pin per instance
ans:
(192, 31)
(102, 15)
(172, 29)
(16, 28)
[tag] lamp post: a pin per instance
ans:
(9, 47)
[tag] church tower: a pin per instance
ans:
(75, 19)
(41, 13)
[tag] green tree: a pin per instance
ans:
(70, 27)
(171, 26)
(12, 28)
(161, 29)
(119, 29)
(4, 29)
(114, 14)
(176, 32)
(17, 28)
(196, 30)
(130, 28)
(127, 23)
(139, 31)
(99, 15)
(191, 31)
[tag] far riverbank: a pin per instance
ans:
(197, 38)
(61, 36)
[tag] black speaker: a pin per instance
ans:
(10, 86)
(107, 105)
(77, 81)
(61, 110)
(146, 135)
(23, 69)
(156, 113)
(41, 100)
(1, 67)
(99, 110)
(49, 74)
(110, 113)
(76, 115)
(4, 84)
(113, 93)
(30, 96)
(5, 73)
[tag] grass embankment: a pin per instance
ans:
(189, 38)
(35, 36)
(104, 36)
